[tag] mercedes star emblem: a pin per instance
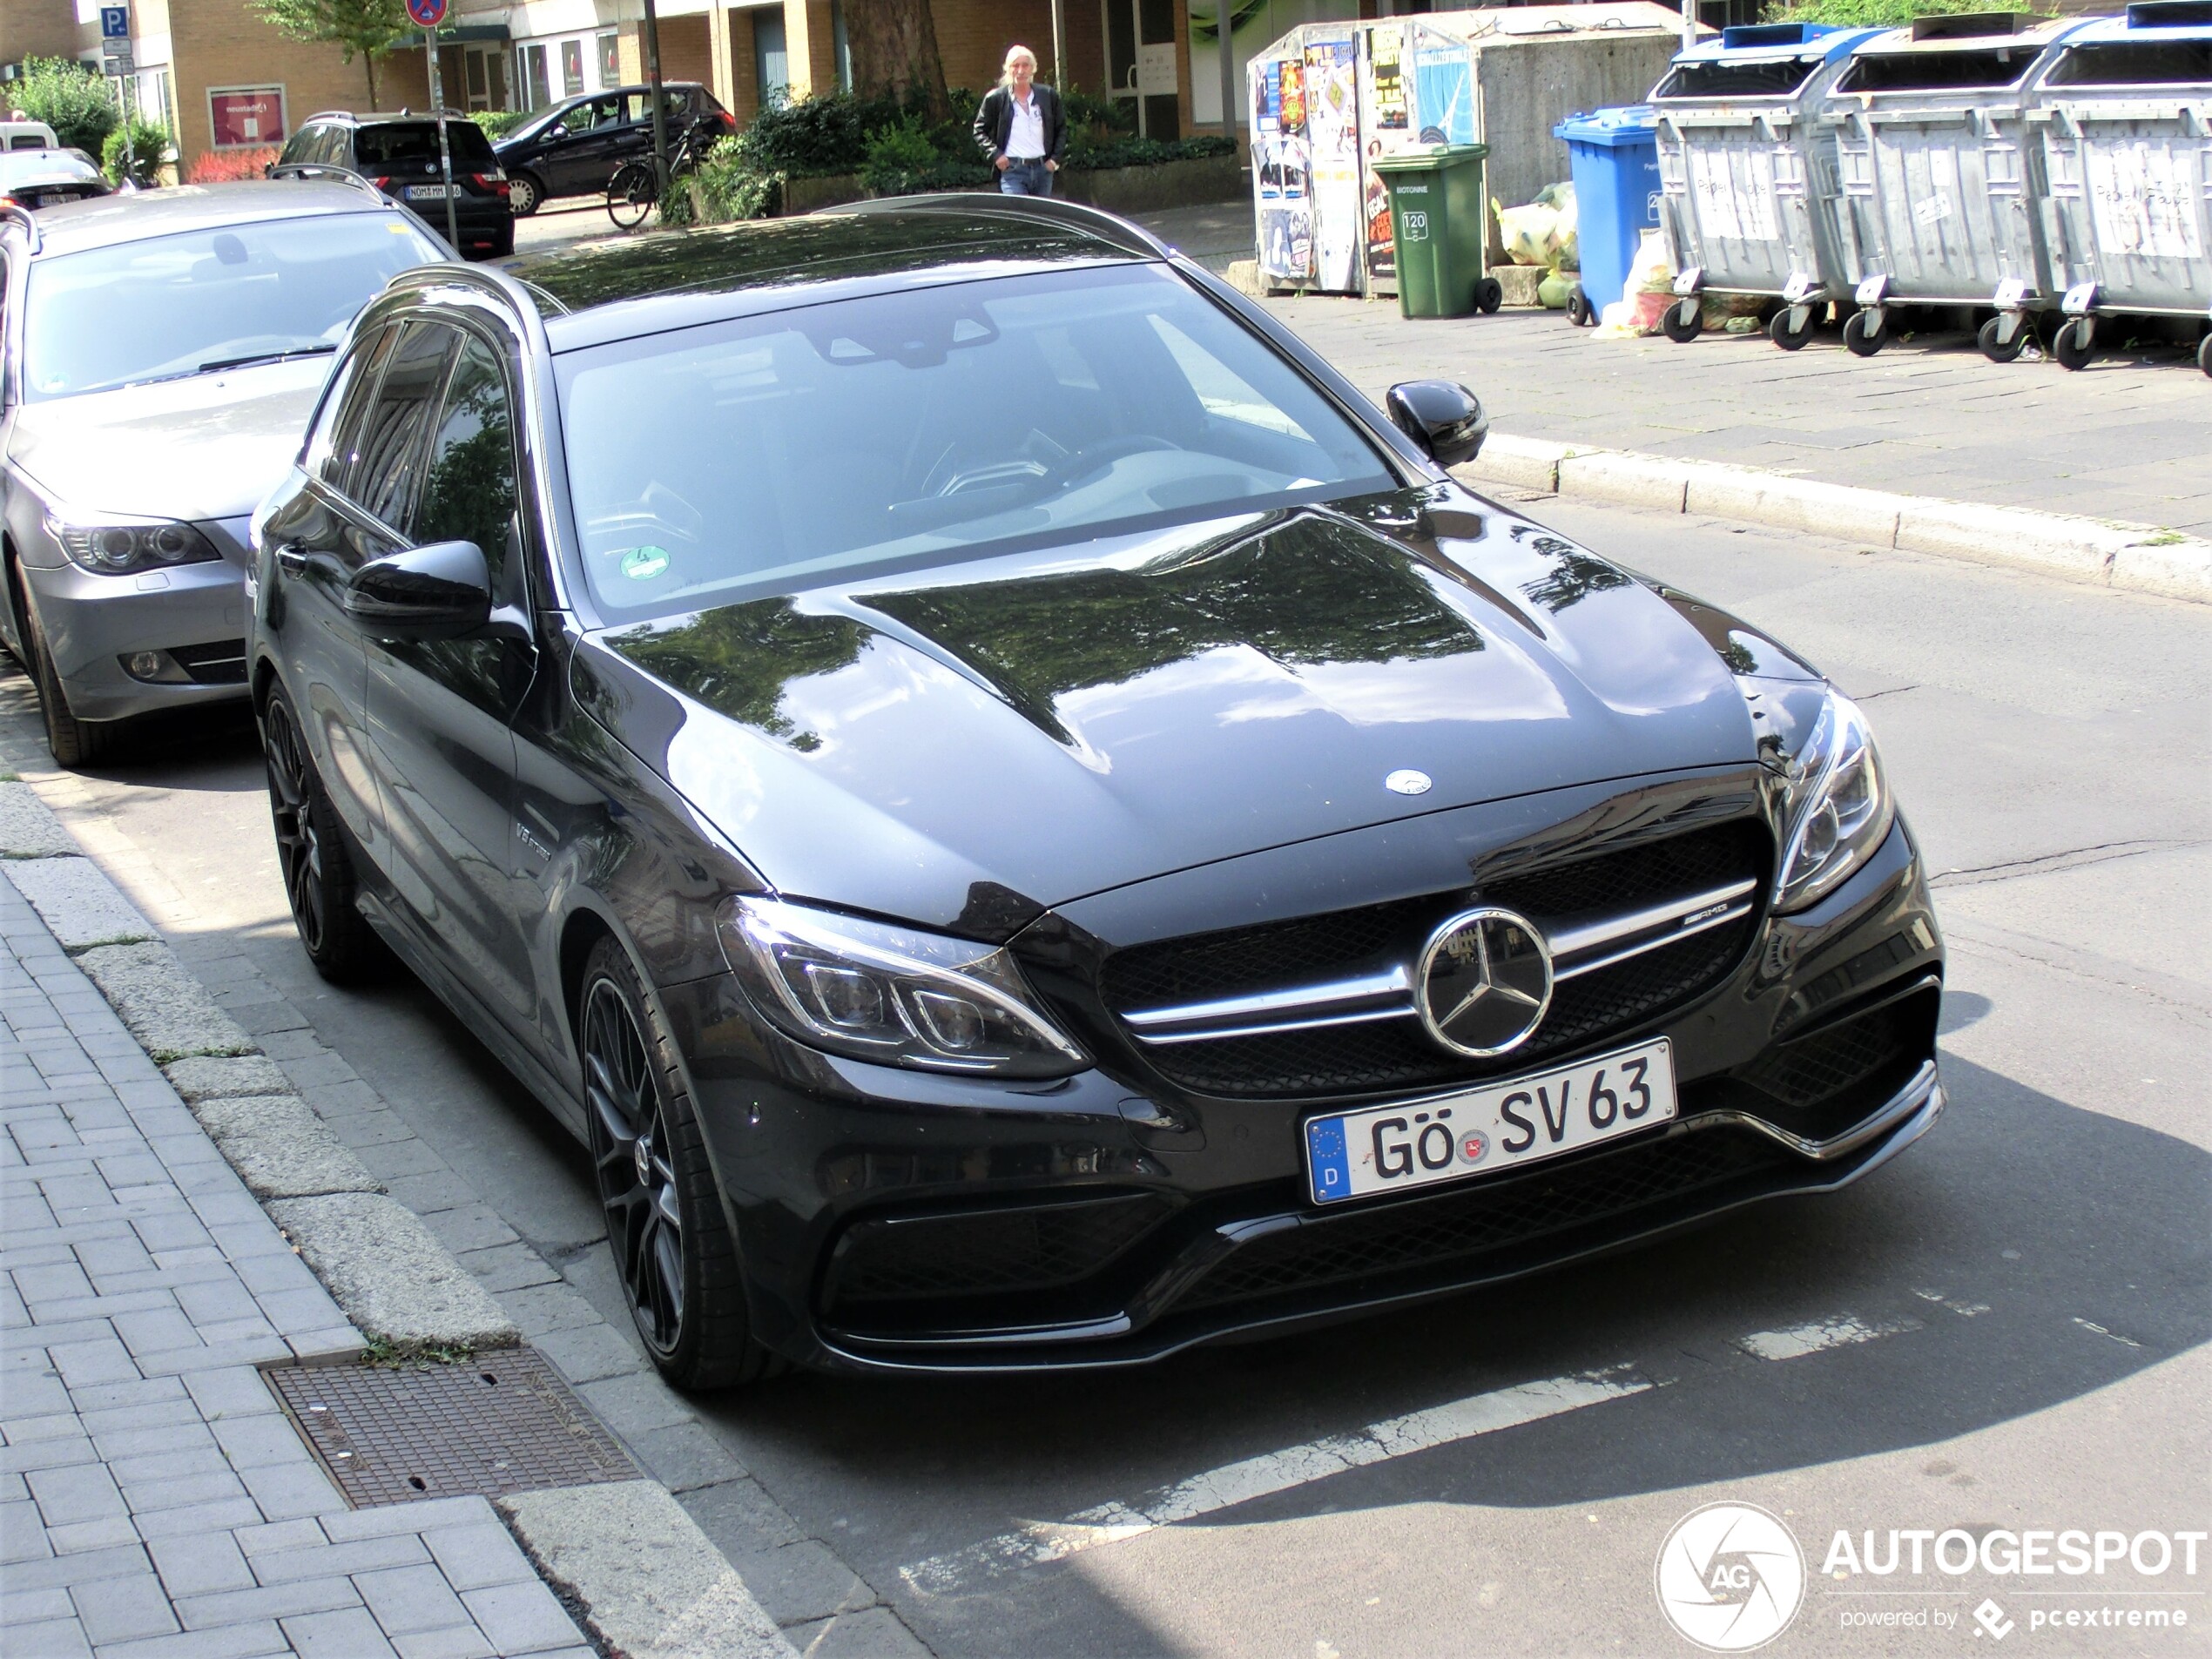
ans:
(1484, 983)
(1407, 782)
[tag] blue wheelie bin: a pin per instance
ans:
(1615, 157)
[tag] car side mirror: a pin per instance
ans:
(439, 591)
(1442, 416)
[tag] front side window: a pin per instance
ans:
(769, 454)
(391, 447)
(332, 446)
(469, 491)
(201, 302)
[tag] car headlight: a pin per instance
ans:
(1840, 806)
(894, 995)
(120, 546)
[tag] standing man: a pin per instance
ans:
(1019, 128)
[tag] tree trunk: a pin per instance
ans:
(894, 49)
(368, 65)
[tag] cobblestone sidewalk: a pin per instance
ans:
(153, 1498)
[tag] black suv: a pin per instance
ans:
(574, 148)
(398, 155)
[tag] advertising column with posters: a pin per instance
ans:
(1385, 128)
(1332, 138)
(1280, 169)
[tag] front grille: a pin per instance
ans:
(1822, 1085)
(222, 662)
(983, 1254)
(1472, 1221)
(1384, 1055)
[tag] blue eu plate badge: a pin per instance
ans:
(1327, 1160)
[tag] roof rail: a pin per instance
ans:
(1110, 228)
(510, 292)
(14, 213)
(323, 170)
(1973, 24)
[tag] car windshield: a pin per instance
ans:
(717, 462)
(188, 304)
(44, 167)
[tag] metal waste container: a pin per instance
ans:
(2119, 126)
(1937, 205)
(1747, 173)
(1617, 198)
(1438, 230)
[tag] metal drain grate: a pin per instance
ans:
(502, 1422)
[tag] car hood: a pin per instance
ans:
(966, 747)
(209, 447)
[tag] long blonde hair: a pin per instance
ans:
(1006, 75)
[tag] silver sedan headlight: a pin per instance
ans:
(1840, 806)
(894, 995)
(111, 545)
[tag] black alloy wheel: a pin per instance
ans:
(2002, 351)
(1685, 321)
(1779, 331)
(665, 1224)
(524, 195)
(2072, 345)
(311, 857)
(1863, 335)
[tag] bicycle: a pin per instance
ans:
(632, 193)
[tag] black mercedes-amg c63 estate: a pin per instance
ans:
(1027, 824)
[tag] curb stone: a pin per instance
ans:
(248, 1108)
(81, 907)
(165, 1008)
(650, 1584)
(2140, 558)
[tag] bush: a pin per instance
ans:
(497, 124)
(221, 166)
(78, 104)
(896, 151)
(817, 135)
(1893, 14)
(149, 149)
(727, 186)
(1143, 152)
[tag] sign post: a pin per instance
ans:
(430, 14)
(116, 60)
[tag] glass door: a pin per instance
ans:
(1141, 64)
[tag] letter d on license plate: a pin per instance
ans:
(1446, 1137)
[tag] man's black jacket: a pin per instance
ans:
(994, 121)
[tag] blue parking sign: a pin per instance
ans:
(115, 22)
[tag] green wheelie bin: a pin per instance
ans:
(1439, 218)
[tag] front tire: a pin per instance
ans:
(72, 742)
(312, 856)
(665, 1224)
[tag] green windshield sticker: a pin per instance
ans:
(643, 564)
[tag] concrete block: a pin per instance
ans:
(395, 1281)
(2078, 548)
(651, 1585)
(1528, 464)
(1626, 480)
(2179, 570)
(281, 1149)
(1520, 283)
(79, 905)
(1868, 515)
(212, 1077)
(167, 1010)
(27, 829)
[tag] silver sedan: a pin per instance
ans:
(159, 356)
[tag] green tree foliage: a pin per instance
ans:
(1867, 14)
(357, 28)
(78, 104)
(148, 149)
(497, 124)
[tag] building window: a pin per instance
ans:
(537, 90)
(245, 118)
(771, 62)
(571, 68)
(609, 60)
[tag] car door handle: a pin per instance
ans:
(292, 559)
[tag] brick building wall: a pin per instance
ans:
(39, 28)
(226, 42)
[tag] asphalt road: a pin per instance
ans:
(2004, 1329)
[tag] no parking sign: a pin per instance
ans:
(427, 14)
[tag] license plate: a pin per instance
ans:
(1449, 1137)
(426, 193)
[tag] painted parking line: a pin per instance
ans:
(1259, 1477)
(1795, 1341)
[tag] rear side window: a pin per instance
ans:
(414, 141)
(2136, 63)
(399, 422)
(468, 489)
(1771, 78)
(1937, 71)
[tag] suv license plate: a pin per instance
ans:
(426, 193)
(1447, 1137)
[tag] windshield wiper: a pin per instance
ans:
(262, 357)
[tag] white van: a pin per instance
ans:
(19, 131)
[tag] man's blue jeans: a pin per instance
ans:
(1026, 178)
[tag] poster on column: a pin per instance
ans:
(1443, 90)
(1386, 128)
(1279, 154)
(1332, 141)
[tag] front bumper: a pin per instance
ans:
(897, 1221)
(92, 622)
